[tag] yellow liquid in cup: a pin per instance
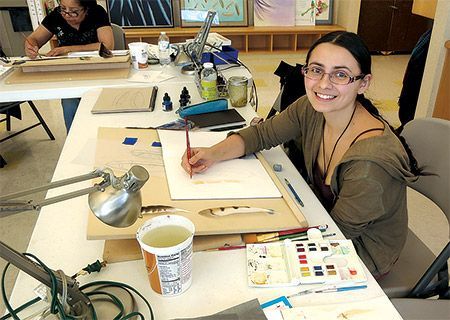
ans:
(166, 236)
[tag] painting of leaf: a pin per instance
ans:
(141, 13)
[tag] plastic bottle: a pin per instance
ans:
(208, 81)
(164, 49)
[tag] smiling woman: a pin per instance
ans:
(355, 163)
(79, 25)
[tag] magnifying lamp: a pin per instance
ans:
(116, 201)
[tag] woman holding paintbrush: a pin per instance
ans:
(356, 165)
(79, 25)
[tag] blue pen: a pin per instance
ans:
(339, 289)
(328, 289)
(293, 192)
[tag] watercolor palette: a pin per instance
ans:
(303, 262)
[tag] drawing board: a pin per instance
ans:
(113, 153)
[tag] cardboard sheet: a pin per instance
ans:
(124, 99)
(69, 64)
(19, 77)
(111, 152)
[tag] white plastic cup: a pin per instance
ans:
(169, 264)
(139, 54)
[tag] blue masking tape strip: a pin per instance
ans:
(156, 144)
(129, 141)
(204, 107)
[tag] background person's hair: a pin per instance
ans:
(87, 3)
(358, 49)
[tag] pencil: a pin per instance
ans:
(226, 248)
(297, 197)
(28, 41)
(188, 145)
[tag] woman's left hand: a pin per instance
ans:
(58, 51)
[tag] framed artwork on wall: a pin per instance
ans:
(229, 12)
(324, 11)
(141, 13)
(305, 13)
(274, 13)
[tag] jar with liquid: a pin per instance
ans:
(237, 91)
(208, 81)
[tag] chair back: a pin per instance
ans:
(429, 140)
(119, 37)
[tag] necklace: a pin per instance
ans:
(325, 167)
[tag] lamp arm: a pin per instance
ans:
(75, 296)
(8, 207)
(55, 184)
(70, 195)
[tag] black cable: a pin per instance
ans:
(55, 305)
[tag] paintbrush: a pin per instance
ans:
(261, 237)
(188, 145)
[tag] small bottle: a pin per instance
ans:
(164, 49)
(208, 81)
(167, 103)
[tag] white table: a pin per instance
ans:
(219, 278)
(75, 89)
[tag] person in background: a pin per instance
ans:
(356, 165)
(79, 25)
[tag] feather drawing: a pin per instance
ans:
(226, 211)
(156, 209)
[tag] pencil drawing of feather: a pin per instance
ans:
(155, 209)
(226, 211)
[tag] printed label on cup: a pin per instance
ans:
(166, 244)
(139, 54)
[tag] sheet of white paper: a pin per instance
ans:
(232, 179)
(149, 77)
(373, 309)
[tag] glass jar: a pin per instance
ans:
(237, 91)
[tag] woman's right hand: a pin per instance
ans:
(201, 159)
(31, 50)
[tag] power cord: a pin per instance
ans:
(92, 289)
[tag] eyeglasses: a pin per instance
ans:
(337, 77)
(73, 13)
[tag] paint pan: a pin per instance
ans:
(166, 245)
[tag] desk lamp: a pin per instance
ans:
(195, 49)
(115, 201)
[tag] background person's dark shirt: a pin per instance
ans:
(96, 17)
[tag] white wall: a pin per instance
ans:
(435, 60)
(346, 14)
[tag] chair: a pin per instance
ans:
(119, 37)
(429, 140)
(12, 109)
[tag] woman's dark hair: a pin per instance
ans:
(87, 3)
(358, 49)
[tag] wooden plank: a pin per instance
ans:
(128, 249)
(19, 77)
(112, 153)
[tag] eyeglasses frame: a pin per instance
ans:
(350, 80)
(72, 14)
